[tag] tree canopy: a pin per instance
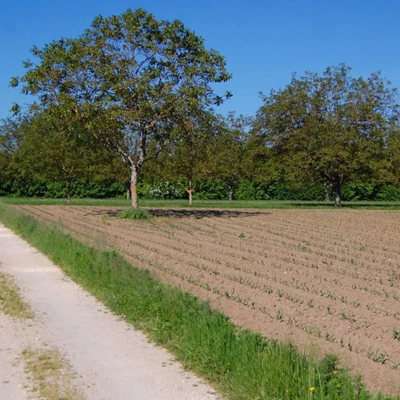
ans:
(328, 128)
(127, 78)
(144, 89)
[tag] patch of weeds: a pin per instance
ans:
(138, 214)
(337, 384)
(51, 375)
(11, 302)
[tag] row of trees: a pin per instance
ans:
(135, 94)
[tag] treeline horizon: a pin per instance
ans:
(131, 104)
(246, 191)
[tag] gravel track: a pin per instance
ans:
(111, 360)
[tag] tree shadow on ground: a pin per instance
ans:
(188, 213)
(202, 213)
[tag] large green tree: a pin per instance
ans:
(126, 78)
(330, 128)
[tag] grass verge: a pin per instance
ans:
(50, 374)
(221, 204)
(11, 302)
(239, 363)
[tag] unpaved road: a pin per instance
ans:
(111, 359)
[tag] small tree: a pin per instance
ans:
(230, 152)
(187, 161)
(16, 169)
(56, 152)
(126, 78)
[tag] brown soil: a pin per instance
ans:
(326, 280)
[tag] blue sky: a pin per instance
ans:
(263, 41)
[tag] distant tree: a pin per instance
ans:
(62, 153)
(329, 128)
(126, 79)
(230, 152)
(15, 169)
(391, 171)
(187, 160)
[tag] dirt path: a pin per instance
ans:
(110, 359)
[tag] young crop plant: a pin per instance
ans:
(330, 337)
(396, 334)
(348, 317)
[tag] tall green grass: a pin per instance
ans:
(256, 204)
(239, 363)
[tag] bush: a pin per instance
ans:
(388, 193)
(54, 190)
(137, 214)
(359, 191)
(290, 191)
(211, 191)
(249, 190)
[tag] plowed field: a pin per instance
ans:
(328, 280)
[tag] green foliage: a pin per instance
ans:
(249, 190)
(230, 152)
(330, 128)
(80, 188)
(289, 191)
(388, 193)
(210, 190)
(129, 80)
(83, 188)
(135, 213)
(359, 191)
(207, 190)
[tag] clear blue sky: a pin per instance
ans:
(263, 41)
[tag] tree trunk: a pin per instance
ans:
(68, 190)
(337, 193)
(230, 194)
(326, 190)
(134, 193)
(190, 192)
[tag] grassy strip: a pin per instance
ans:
(256, 204)
(241, 364)
(11, 302)
(50, 374)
